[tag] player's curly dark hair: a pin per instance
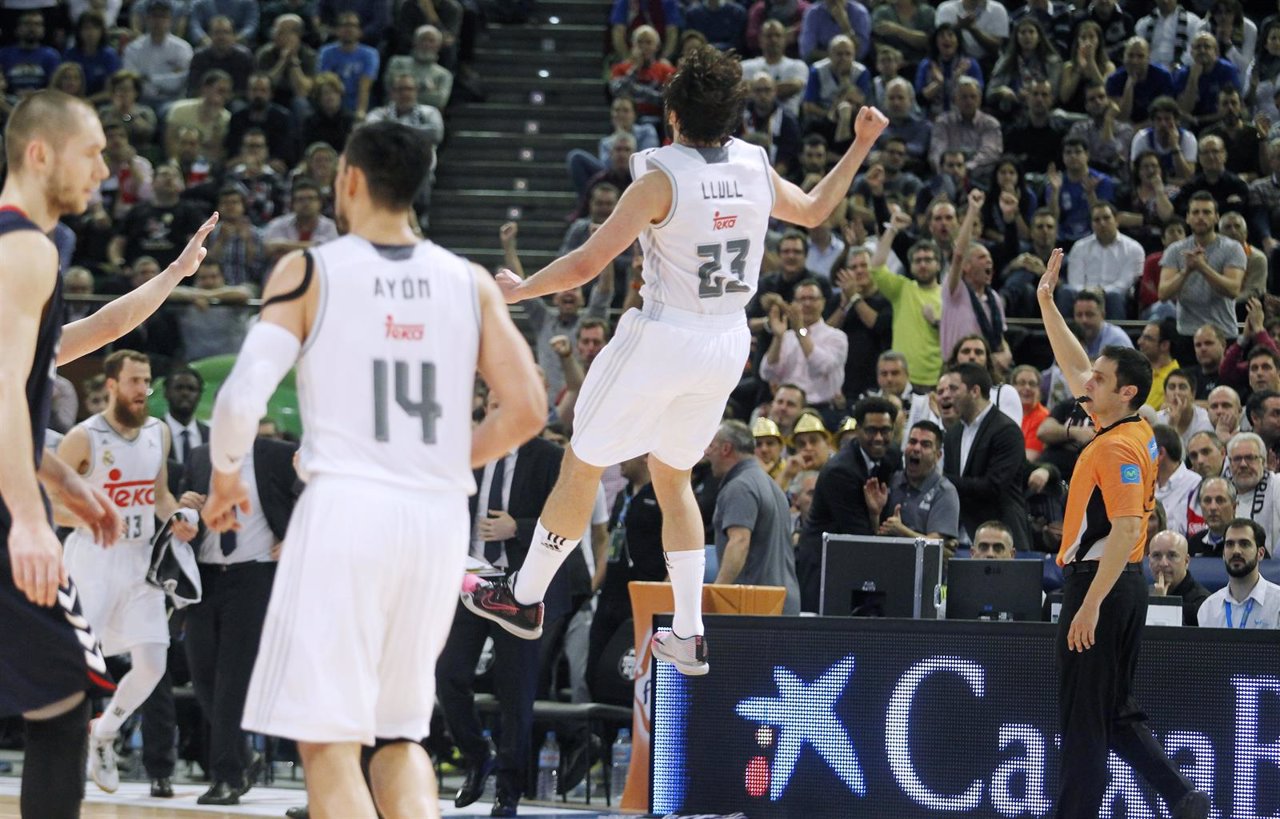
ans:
(707, 95)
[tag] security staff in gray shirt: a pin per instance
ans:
(752, 518)
(919, 501)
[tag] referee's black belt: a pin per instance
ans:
(1091, 567)
(229, 567)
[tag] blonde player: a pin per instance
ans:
(387, 332)
(700, 207)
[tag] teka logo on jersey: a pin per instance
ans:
(805, 713)
(129, 493)
(721, 221)
(404, 332)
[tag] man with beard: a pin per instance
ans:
(916, 301)
(1257, 488)
(124, 452)
(1204, 271)
(1169, 563)
(838, 506)
(1248, 600)
(54, 155)
(919, 501)
(1217, 500)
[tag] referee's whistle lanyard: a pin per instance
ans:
(1244, 615)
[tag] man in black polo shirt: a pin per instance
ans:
(1169, 562)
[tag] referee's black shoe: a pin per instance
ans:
(477, 773)
(1194, 805)
(494, 600)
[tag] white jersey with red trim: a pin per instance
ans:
(126, 471)
(387, 373)
(705, 256)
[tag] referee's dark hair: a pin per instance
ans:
(974, 376)
(1259, 534)
(1132, 370)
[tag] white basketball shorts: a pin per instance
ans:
(121, 608)
(660, 386)
(362, 604)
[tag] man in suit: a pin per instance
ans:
(838, 504)
(183, 390)
(984, 456)
(510, 495)
(236, 571)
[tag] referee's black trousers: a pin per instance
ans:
(1096, 705)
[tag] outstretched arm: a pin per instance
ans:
(645, 202)
(117, 317)
(791, 204)
(1067, 350)
(976, 200)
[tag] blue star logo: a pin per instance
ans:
(805, 713)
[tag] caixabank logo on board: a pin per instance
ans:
(868, 733)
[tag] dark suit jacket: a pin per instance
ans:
(991, 486)
(175, 468)
(537, 469)
(278, 484)
(840, 508)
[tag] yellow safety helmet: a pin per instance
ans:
(809, 422)
(765, 428)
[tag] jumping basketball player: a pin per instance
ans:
(124, 452)
(700, 207)
(387, 332)
(48, 653)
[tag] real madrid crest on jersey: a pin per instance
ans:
(107, 458)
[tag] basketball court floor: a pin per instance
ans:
(133, 801)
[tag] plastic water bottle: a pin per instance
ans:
(621, 762)
(491, 784)
(548, 769)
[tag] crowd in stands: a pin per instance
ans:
(889, 390)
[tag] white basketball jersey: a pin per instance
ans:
(705, 256)
(126, 472)
(388, 370)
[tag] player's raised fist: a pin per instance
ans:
(870, 123)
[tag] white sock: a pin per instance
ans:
(686, 569)
(134, 688)
(546, 553)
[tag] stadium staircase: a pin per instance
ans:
(504, 158)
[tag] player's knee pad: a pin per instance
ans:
(53, 765)
(367, 753)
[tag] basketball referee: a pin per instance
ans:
(1104, 603)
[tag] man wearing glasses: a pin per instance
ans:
(839, 505)
(1256, 487)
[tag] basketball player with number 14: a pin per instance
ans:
(700, 208)
(362, 603)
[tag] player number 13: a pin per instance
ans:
(425, 408)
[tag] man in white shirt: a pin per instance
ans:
(1107, 259)
(162, 58)
(1248, 600)
(805, 351)
(1175, 483)
(305, 227)
(983, 25)
(789, 74)
(1169, 29)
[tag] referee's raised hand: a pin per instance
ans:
(1049, 281)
